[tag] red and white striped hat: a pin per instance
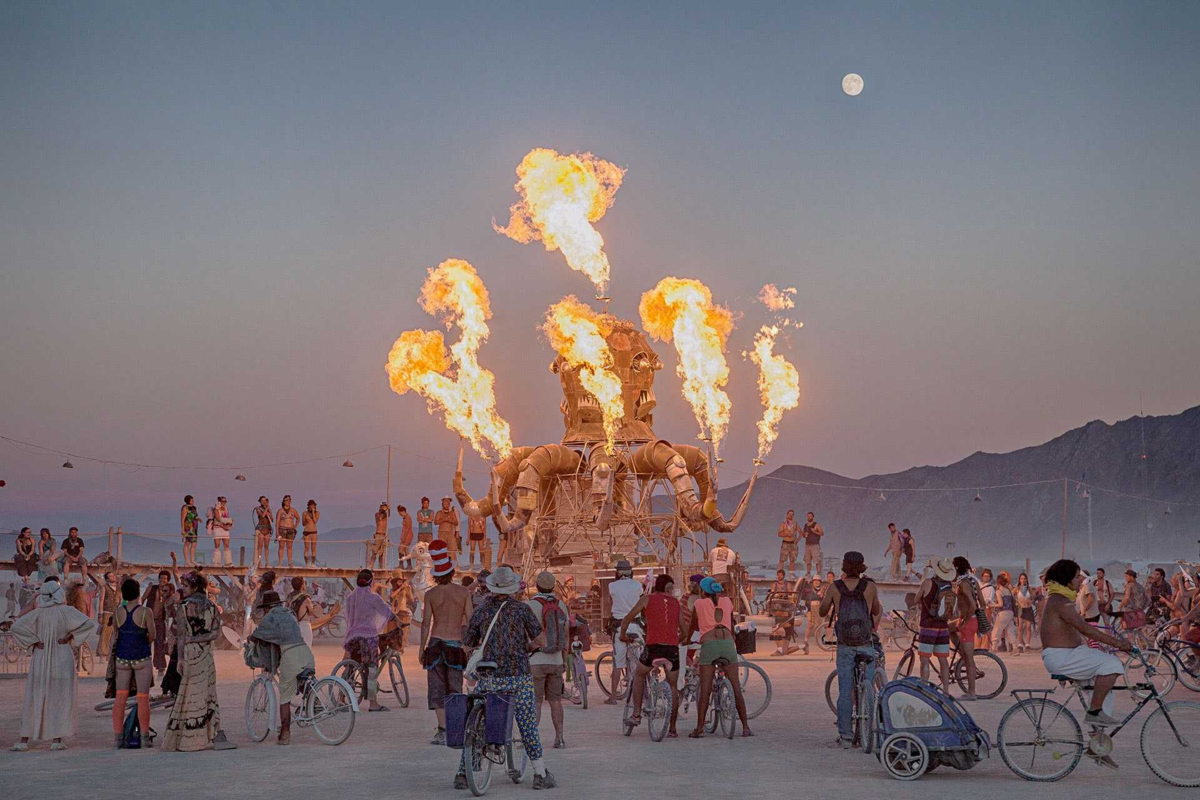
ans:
(439, 551)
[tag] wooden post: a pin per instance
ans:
(1064, 532)
(242, 556)
(110, 540)
(120, 536)
(1028, 569)
(388, 490)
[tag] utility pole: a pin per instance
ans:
(388, 491)
(1091, 550)
(1064, 532)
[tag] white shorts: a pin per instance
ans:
(620, 649)
(1084, 664)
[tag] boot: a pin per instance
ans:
(285, 724)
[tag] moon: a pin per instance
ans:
(852, 84)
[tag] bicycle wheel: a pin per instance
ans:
(260, 700)
(329, 707)
(1188, 667)
(518, 760)
(826, 638)
(659, 721)
(336, 627)
(399, 682)
(478, 765)
(1170, 739)
(865, 713)
(1040, 740)
(831, 688)
(581, 680)
(756, 688)
(728, 707)
(354, 674)
(604, 672)
(991, 676)
(712, 718)
(86, 661)
(1153, 666)
(904, 667)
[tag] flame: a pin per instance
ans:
(420, 362)
(578, 334)
(778, 386)
(681, 310)
(560, 197)
(777, 299)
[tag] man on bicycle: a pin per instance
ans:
(279, 648)
(624, 593)
(855, 601)
(665, 629)
(1065, 651)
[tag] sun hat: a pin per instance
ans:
(439, 551)
(546, 581)
(503, 581)
(944, 569)
(711, 586)
(623, 566)
(721, 542)
(270, 600)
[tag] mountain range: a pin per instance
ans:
(1106, 466)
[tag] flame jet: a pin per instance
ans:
(681, 311)
(578, 334)
(778, 386)
(561, 196)
(453, 382)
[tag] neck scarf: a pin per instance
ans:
(1059, 589)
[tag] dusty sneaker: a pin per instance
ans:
(460, 781)
(439, 738)
(544, 781)
(1100, 720)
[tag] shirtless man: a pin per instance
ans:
(812, 545)
(447, 611)
(447, 523)
(1065, 651)
(406, 532)
(379, 546)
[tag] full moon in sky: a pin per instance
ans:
(852, 84)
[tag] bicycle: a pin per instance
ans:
(1048, 728)
(327, 704)
(1163, 676)
(656, 703)
(690, 691)
(575, 679)
(478, 754)
(831, 682)
(1181, 652)
(357, 675)
(958, 666)
(722, 707)
(605, 667)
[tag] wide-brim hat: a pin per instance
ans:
(439, 551)
(944, 569)
(503, 581)
(270, 600)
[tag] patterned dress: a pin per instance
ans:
(196, 716)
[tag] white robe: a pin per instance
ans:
(49, 710)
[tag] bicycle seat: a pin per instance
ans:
(1062, 678)
(720, 662)
(863, 658)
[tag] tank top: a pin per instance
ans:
(1024, 598)
(706, 617)
(133, 641)
(928, 620)
(662, 620)
(1006, 600)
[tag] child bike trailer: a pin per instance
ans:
(920, 728)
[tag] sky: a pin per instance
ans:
(215, 219)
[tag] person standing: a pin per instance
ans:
(402, 599)
(311, 517)
(1004, 607)
(789, 535)
(507, 645)
(1023, 595)
(623, 595)
(546, 664)
(406, 532)
(812, 546)
(49, 630)
(894, 551)
(134, 626)
(189, 529)
(910, 552)
(1086, 600)
(378, 555)
(936, 600)
(854, 600)
(157, 598)
(286, 521)
(446, 612)
(447, 523)
(476, 540)
(262, 533)
(964, 626)
(720, 559)
(367, 615)
(425, 522)
(1158, 592)
(110, 598)
(72, 548)
(987, 596)
(1104, 596)
(195, 719)
(665, 629)
(301, 606)
(1133, 603)
(220, 524)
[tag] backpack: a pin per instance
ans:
(941, 604)
(132, 730)
(554, 626)
(581, 630)
(853, 626)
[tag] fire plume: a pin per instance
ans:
(681, 311)
(561, 196)
(452, 381)
(777, 299)
(778, 386)
(578, 334)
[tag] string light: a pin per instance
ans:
(347, 463)
(978, 499)
(68, 465)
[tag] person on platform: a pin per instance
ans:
(425, 522)
(377, 559)
(447, 523)
(263, 527)
(789, 544)
(286, 522)
(72, 549)
(406, 532)
(49, 630)
(26, 559)
(309, 520)
(894, 551)
(448, 608)
(720, 559)
(477, 542)
(219, 524)
(189, 529)
(812, 545)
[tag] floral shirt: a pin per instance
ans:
(508, 645)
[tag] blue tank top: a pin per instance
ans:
(133, 643)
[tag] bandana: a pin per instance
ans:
(1059, 589)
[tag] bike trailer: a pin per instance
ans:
(920, 728)
(499, 712)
